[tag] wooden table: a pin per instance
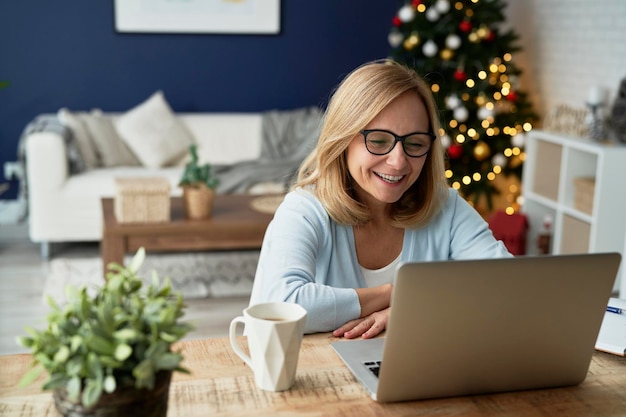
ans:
(233, 225)
(222, 385)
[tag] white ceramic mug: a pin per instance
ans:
(274, 332)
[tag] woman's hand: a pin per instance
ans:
(366, 327)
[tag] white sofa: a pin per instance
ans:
(65, 206)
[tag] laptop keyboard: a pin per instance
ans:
(374, 367)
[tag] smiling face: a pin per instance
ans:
(383, 179)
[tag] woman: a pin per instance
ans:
(372, 194)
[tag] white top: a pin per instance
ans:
(384, 275)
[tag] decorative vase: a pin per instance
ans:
(198, 201)
(125, 401)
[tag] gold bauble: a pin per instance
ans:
(482, 32)
(515, 161)
(446, 54)
(412, 41)
(481, 151)
(473, 37)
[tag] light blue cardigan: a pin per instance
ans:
(309, 259)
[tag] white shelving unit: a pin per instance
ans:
(553, 163)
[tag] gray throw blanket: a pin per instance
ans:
(47, 122)
(288, 137)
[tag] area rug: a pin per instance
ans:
(194, 275)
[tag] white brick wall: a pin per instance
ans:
(568, 47)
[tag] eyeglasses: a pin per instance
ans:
(381, 142)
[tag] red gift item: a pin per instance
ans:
(511, 229)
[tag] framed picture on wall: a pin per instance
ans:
(198, 16)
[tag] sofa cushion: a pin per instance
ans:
(225, 138)
(111, 149)
(153, 132)
(81, 136)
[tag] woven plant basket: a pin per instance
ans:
(128, 401)
(198, 201)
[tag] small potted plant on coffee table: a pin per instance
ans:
(198, 184)
(110, 353)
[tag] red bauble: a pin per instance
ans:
(455, 151)
(460, 75)
(491, 37)
(416, 3)
(396, 21)
(465, 26)
(511, 96)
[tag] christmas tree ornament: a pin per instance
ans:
(445, 140)
(453, 101)
(455, 151)
(511, 96)
(515, 161)
(446, 54)
(432, 15)
(465, 26)
(453, 41)
(518, 140)
(481, 151)
(430, 48)
(484, 113)
(473, 37)
(461, 114)
(406, 13)
(416, 3)
(482, 32)
(442, 6)
(460, 75)
(395, 38)
(396, 22)
(499, 160)
(412, 41)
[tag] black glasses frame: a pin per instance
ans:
(397, 138)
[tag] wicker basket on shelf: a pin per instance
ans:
(584, 188)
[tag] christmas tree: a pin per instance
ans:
(461, 50)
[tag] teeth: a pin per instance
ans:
(390, 178)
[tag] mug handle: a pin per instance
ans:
(233, 340)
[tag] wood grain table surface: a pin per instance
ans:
(222, 385)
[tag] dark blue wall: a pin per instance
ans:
(66, 53)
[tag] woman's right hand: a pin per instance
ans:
(366, 327)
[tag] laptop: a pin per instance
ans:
(484, 326)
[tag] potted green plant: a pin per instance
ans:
(110, 353)
(198, 183)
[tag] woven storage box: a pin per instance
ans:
(142, 200)
(584, 188)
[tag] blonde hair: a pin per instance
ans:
(359, 98)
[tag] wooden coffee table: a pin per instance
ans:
(234, 225)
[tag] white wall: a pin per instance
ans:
(568, 47)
